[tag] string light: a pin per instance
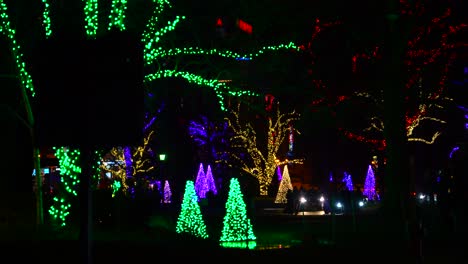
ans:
(423, 53)
(220, 88)
(190, 220)
(167, 192)
(46, 19)
(117, 15)
(91, 17)
(253, 161)
(5, 28)
(236, 224)
(284, 187)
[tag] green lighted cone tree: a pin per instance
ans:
(284, 186)
(190, 218)
(236, 224)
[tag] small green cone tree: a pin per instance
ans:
(190, 218)
(236, 224)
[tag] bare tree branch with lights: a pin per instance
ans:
(247, 154)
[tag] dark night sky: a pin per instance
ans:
(273, 22)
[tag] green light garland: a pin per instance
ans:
(115, 187)
(117, 14)
(220, 88)
(159, 52)
(60, 210)
(69, 171)
(91, 17)
(5, 28)
(46, 18)
(149, 51)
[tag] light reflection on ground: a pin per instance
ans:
(254, 245)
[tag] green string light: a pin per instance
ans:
(159, 52)
(46, 18)
(5, 28)
(59, 211)
(117, 14)
(149, 51)
(69, 168)
(91, 17)
(220, 88)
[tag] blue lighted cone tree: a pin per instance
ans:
(285, 185)
(190, 219)
(236, 224)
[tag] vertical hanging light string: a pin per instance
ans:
(46, 23)
(91, 17)
(5, 28)
(117, 14)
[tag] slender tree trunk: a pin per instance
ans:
(397, 205)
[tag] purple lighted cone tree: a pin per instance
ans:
(209, 181)
(167, 192)
(369, 185)
(200, 183)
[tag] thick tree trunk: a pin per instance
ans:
(399, 210)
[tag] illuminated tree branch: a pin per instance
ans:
(247, 152)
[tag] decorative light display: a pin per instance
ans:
(348, 181)
(429, 54)
(5, 28)
(236, 224)
(200, 183)
(204, 182)
(114, 163)
(69, 168)
(59, 211)
(209, 180)
(250, 157)
(190, 220)
(278, 172)
(252, 244)
(117, 15)
(46, 18)
(91, 12)
(152, 52)
(220, 88)
(291, 138)
(455, 149)
(69, 177)
(209, 137)
(115, 187)
(369, 185)
(167, 195)
(127, 151)
(284, 186)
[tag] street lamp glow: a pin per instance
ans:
(322, 199)
(303, 200)
(162, 157)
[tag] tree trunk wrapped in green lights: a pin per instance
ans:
(236, 226)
